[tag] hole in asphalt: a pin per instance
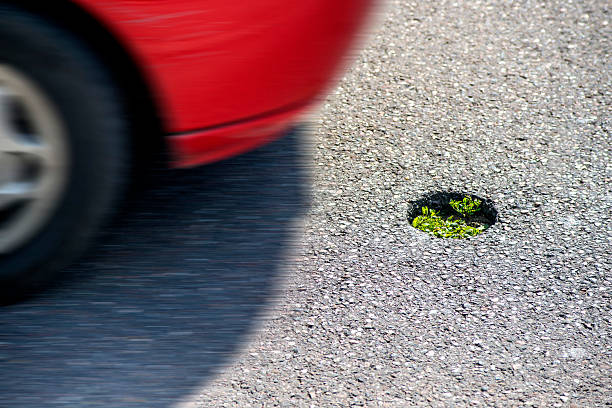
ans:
(452, 214)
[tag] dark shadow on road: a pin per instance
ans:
(168, 296)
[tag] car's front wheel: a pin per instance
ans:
(62, 148)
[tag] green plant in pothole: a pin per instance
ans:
(462, 226)
(466, 207)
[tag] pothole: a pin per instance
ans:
(452, 215)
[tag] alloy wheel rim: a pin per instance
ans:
(33, 159)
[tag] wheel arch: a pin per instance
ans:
(145, 115)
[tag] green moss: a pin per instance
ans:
(467, 206)
(433, 223)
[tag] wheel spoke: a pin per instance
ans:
(22, 147)
(33, 158)
(13, 192)
(16, 145)
(10, 140)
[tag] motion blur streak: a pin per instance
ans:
(169, 296)
(217, 61)
(87, 89)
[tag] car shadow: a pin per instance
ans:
(169, 295)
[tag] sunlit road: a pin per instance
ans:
(506, 100)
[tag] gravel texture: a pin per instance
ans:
(506, 100)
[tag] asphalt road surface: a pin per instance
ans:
(506, 100)
(510, 101)
(167, 296)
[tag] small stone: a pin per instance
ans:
(575, 353)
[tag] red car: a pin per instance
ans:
(86, 85)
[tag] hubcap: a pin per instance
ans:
(33, 159)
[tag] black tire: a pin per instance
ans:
(89, 105)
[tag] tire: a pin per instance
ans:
(62, 77)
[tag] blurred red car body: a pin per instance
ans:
(229, 75)
(86, 84)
